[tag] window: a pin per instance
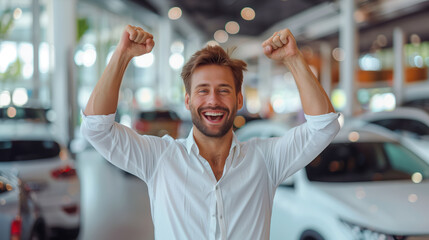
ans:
(365, 161)
(27, 150)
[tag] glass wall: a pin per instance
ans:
(24, 70)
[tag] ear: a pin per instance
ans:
(187, 100)
(239, 100)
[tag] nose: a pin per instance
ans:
(213, 98)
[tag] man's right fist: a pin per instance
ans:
(135, 41)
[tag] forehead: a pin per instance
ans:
(212, 75)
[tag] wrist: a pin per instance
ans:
(122, 55)
(293, 59)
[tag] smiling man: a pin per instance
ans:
(210, 185)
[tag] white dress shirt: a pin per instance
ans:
(186, 200)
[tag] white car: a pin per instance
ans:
(412, 124)
(47, 168)
(416, 95)
(365, 185)
(261, 129)
(362, 186)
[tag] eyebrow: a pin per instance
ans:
(207, 85)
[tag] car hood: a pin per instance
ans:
(394, 207)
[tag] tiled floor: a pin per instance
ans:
(114, 205)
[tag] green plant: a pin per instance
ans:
(6, 22)
(82, 27)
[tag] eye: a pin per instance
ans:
(224, 90)
(203, 91)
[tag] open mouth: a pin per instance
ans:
(214, 116)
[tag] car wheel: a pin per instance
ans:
(311, 235)
(38, 233)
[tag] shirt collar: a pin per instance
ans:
(190, 143)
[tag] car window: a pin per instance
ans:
(419, 103)
(369, 161)
(27, 150)
(22, 113)
(408, 125)
(159, 115)
(397, 154)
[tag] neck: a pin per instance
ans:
(214, 150)
(211, 146)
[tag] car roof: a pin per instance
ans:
(360, 131)
(400, 112)
(262, 128)
(25, 131)
(416, 91)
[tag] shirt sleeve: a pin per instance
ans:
(299, 146)
(122, 146)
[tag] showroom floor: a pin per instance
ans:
(114, 205)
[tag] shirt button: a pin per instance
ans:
(217, 187)
(220, 216)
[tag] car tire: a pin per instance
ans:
(311, 235)
(38, 232)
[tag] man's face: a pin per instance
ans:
(212, 100)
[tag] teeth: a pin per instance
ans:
(213, 114)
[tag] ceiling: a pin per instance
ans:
(209, 15)
(212, 15)
(304, 17)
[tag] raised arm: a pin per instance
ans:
(281, 46)
(104, 99)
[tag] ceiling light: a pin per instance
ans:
(221, 36)
(232, 27)
(177, 47)
(212, 43)
(248, 13)
(17, 13)
(174, 13)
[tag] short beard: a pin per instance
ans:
(198, 122)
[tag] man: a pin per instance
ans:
(210, 185)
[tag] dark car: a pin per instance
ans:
(32, 114)
(19, 215)
(158, 123)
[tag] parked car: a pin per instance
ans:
(416, 95)
(19, 215)
(157, 123)
(261, 129)
(412, 124)
(48, 170)
(364, 185)
(33, 114)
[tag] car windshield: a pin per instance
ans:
(366, 161)
(27, 150)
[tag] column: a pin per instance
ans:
(326, 68)
(63, 84)
(398, 69)
(264, 83)
(164, 69)
(35, 32)
(348, 43)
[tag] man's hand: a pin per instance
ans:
(135, 41)
(281, 46)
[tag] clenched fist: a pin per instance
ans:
(135, 41)
(281, 46)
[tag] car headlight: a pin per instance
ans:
(363, 233)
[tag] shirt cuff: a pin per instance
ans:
(97, 122)
(321, 121)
